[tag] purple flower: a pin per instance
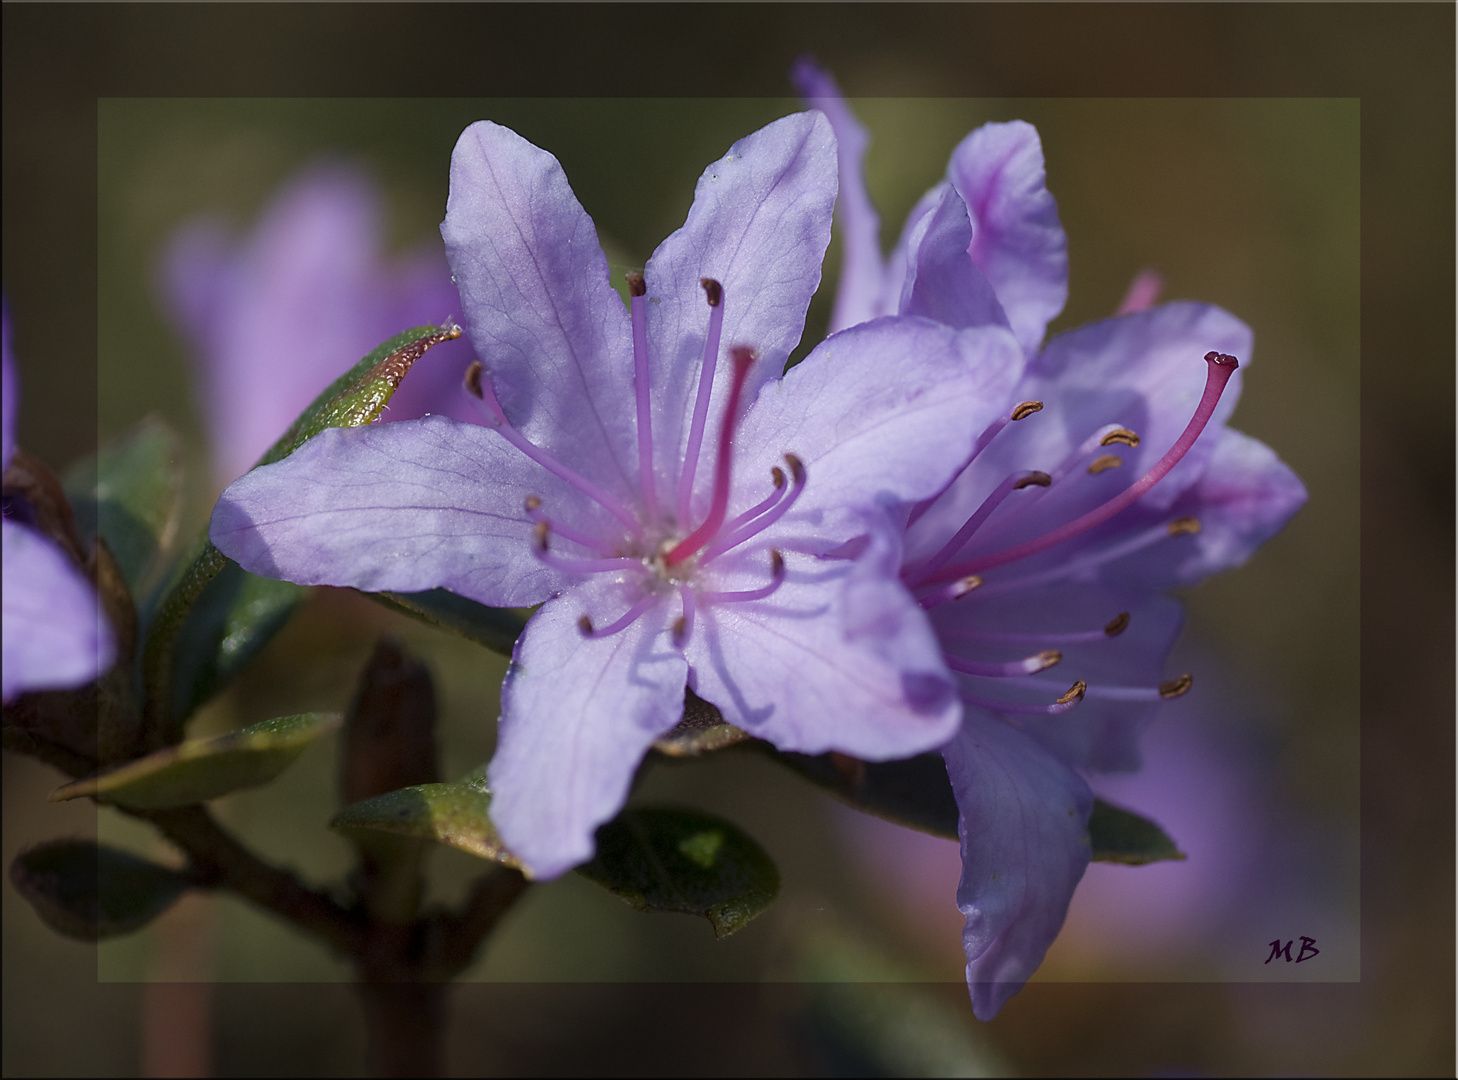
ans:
(1042, 552)
(275, 317)
(689, 517)
(54, 633)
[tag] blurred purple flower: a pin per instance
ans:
(276, 316)
(1069, 561)
(53, 631)
(666, 557)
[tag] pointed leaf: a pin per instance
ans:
(673, 859)
(129, 494)
(496, 628)
(202, 769)
(1122, 836)
(915, 792)
(236, 615)
(454, 814)
(84, 890)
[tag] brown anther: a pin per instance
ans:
(585, 625)
(777, 564)
(966, 585)
(530, 503)
(539, 535)
(713, 290)
(777, 474)
(1075, 693)
(1181, 526)
(1027, 409)
(1107, 461)
(1223, 359)
(636, 285)
(1175, 687)
(680, 625)
(1117, 625)
(473, 380)
(1120, 435)
(797, 468)
(1049, 658)
(1040, 479)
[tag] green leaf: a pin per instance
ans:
(1122, 836)
(915, 792)
(454, 814)
(129, 494)
(496, 628)
(673, 859)
(202, 769)
(235, 616)
(84, 890)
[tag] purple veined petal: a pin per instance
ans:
(941, 282)
(578, 716)
(1018, 241)
(9, 389)
(882, 413)
(54, 633)
(759, 225)
(1244, 497)
(899, 261)
(838, 658)
(1102, 731)
(1024, 826)
(538, 305)
(860, 295)
(414, 505)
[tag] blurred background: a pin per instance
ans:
(1306, 776)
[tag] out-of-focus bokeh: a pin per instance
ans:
(1300, 214)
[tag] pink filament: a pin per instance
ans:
(719, 506)
(498, 422)
(1029, 666)
(777, 577)
(645, 410)
(752, 528)
(701, 402)
(1015, 707)
(625, 620)
(1219, 370)
(972, 524)
(535, 514)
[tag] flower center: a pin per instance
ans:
(656, 558)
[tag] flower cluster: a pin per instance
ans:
(881, 552)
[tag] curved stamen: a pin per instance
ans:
(1028, 666)
(777, 478)
(777, 577)
(714, 292)
(1220, 368)
(1062, 705)
(1021, 411)
(540, 533)
(1015, 482)
(621, 623)
(685, 624)
(532, 505)
(719, 504)
(733, 538)
(637, 291)
(946, 593)
(1171, 688)
(1113, 628)
(482, 391)
(1074, 567)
